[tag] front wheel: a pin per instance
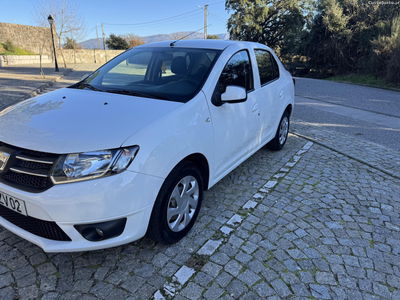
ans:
(177, 205)
(281, 135)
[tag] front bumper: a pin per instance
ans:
(127, 195)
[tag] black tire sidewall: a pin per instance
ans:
(274, 144)
(158, 226)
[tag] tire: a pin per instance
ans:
(177, 205)
(281, 135)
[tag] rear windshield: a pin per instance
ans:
(175, 74)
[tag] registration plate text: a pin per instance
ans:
(13, 203)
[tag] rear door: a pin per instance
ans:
(271, 93)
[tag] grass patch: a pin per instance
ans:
(17, 51)
(197, 261)
(217, 235)
(371, 244)
(368, 80)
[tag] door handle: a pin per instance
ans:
(281, 94)
(255, 107)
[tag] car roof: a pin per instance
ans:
(198, 43)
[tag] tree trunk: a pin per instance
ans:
(41, 70)
(62, 55)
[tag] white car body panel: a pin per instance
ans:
(185, 132)
(69, 126)
(166, 132)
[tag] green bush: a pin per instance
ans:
(8, 45)
(393, 68)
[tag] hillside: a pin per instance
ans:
(92, 43)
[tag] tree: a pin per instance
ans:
(213, 37)
(387, 47)
(133, 40)
(344, 38)
(66, 16)
(270, 22)
(44, 44)
(67, 20)
(115, 42)
(71, 43)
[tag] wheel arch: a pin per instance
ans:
(201, 162)
(289, 109)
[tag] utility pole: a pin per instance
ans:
(104, 40)
(97, 34)
(205, 21)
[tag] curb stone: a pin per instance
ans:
(360, 160)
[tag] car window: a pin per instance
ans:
(237, 72)
(167, 73)
(276, 68)
(267, 66)
(169, 57)
(128, 71)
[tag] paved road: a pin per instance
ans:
(315, 220)
(369, 113)
(16, 81)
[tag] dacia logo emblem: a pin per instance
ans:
(3, 160)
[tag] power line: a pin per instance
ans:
(216, 3)
(86, 31)
(176, 20)
(144, 23)
(218, 17)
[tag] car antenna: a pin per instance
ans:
(173, 43)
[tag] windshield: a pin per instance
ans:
(175, 74)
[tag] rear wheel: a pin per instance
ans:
(177, 205)
(281, 135)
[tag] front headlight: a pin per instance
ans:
(90, 165)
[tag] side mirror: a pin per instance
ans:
(84, 77)
(234, 94)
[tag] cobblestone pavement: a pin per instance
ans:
(307, 222)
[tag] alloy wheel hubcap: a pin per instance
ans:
(283, 130)
(183, 203)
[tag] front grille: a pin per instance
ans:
(34, 165)
(28, 180)
(28, 170)
(45, 229)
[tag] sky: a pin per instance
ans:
(135, 16)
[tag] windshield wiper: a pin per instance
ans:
(89, 86)
(138, 94)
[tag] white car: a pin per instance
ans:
(129, 150)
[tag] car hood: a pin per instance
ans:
(70, 120)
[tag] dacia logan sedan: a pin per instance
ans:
(129, 150)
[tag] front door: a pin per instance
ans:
(236, 125)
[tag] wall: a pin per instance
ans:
(30, 38)
(79, 56)
(10, 60)
(34, 38)
(86, 56)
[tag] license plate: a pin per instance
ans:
(13, 203)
